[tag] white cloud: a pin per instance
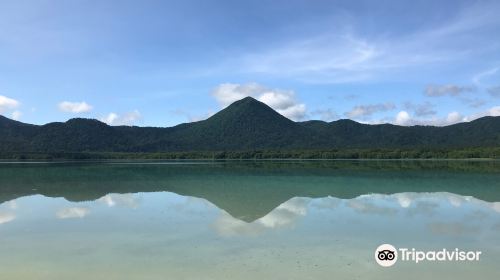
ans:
(228, 93)
(283, 101)
(405, 119)
(446, 90)
(278, 100)
(295, 112)
(455, 91)
(492, 112)
(16, 115)
(110, 118)
(402, 118)
(74, 107)
(72, 212)
(129, 118)
(362, 111)
(7, 103)
(454, 117)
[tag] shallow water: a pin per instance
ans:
(245, 220)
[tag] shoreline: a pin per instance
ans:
(476, 153)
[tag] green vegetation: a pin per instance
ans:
(470, 153)
(248, 129)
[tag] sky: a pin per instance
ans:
(161, 63)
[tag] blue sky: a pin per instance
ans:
(160, 63)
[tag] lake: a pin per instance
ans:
(246, 219)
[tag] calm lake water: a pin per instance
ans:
(246, 220)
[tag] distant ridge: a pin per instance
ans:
(247, 124)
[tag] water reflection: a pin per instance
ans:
(123, 200)
(302, 236)
(72, 212)
(242, 222)
(7, 210)
(6, 217)
(283, 216)
(408, 205)
(240, 187)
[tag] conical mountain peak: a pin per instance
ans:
(249, 110)
(248, 99)
(248, 103)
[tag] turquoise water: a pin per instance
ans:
(245, 220)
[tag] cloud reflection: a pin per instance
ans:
(397, 205)
(285, 215)
(12, 204)
(427, 203)
(125, 200)
(72, 212)
(404, 199)
(496, 206)
(367, 204)
(6, 217)
(326, 203)
(416, 203)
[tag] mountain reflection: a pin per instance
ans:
(291, 220)
(438, 214)
(249, 191)
(431, 206)
(285, 215)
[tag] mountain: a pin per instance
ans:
(245, 125)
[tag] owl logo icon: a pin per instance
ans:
(386, 255)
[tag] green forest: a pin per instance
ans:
(249, 129)
(471, 153)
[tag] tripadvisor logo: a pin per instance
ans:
(387, 255)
